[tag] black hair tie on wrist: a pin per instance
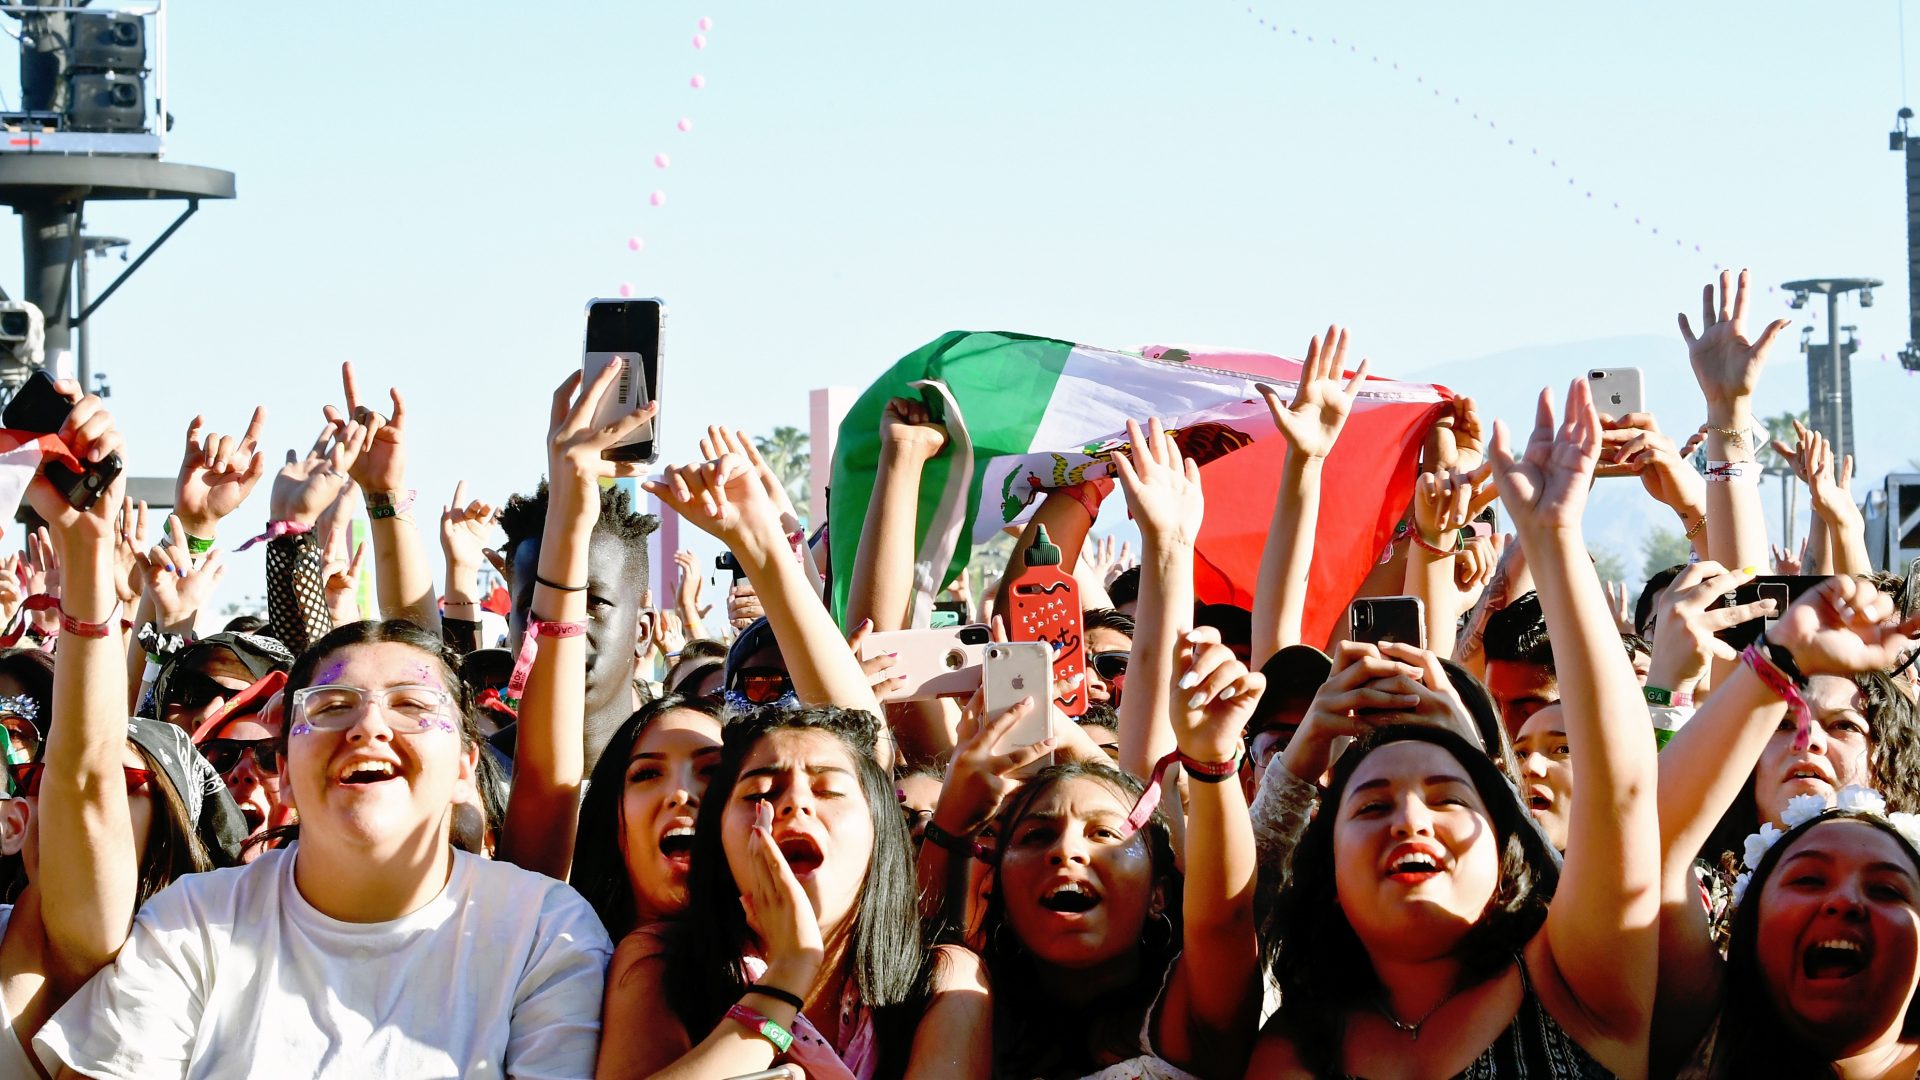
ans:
(785, 997)
(538, 580)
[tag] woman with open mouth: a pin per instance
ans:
(1820, 964)
(801, 941)
(1426, 917)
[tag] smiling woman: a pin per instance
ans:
(296, 953)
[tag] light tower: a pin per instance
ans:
(83, 134)
(1829, 371)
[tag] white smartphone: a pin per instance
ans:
(941, 662)
(1014, 670)
(626, 332)
(1617, 391)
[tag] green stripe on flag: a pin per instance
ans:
(1002, 382)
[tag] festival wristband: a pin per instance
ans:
(1697, 526)
(761, 1026)
(198, 545)
(1211, 772)
(278, 529)
(1427, 545)
(82, 628)
(1206, 772)
(1728, 472)
(386, 504)
(1667, 698)
(959, 845)
(529, 644)
(1784, 686)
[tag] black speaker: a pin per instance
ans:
(108, 41)
(102, 102)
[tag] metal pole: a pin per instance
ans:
(82, 331)
(1838, 436)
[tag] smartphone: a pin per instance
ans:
(941, 662)
(1782, 589)
(778, 1072)
(627, 332)
(1378, 619)
(39, 408)
(1617, 391)
(726, 561)
(1014, 670)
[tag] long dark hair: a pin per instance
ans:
(891, 966)
(1754, 1039)
(173, 848)
(599, 870)
(1322, 966)
(1893, 767)
(1028, 1028)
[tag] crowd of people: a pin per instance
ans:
(1566, 836)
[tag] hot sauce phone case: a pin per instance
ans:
(1045, 607)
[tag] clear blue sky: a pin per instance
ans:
(433, 190)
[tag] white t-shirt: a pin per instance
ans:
(233, 974)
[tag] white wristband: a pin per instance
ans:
(1729, 472)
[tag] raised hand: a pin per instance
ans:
(720, 441)
(307, 486)
(1620, 605)
(1469, 435)
(380, 465)
(575, 443)
(723, 497)
(1789, 562)
(878, 667)
(692, 582)
(180, 584)
(43, 564)
(90, 434)
(1162, 487)
(1213, 696)
(1686, 617)
(978, 779)
(1634, 444)
(217, 473)
(1312, 422)
(464, 528)
(1356, 689)
(340, 578)
(1726, 363)
(743, 605)
(130, 539)
(1444, 502)
(1545, 488)
(907, 427)
(1843, 627)
(1476, 563)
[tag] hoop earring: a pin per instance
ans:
(1165, 922)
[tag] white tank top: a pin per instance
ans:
(13, 1057)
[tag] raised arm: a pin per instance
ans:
(1068, 513)
(1601, 927)
(1213, 998)
(88, 874)
(1163, 491)
(1636, 443)
(1443, 503)
(686, 597)
(401, 578)
(882, 585)
(464, 529)
(1828, 481)
(1727, 365)
(1311, 425)
(549, 754)
(724, 498)
(302, 492)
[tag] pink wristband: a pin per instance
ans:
(523, 663)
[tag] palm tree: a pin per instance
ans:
(788, 456)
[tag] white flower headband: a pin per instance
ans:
(1804, 808)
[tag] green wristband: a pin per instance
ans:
(1657, 696)
(198, 545)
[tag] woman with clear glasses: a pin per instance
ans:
(370, 946)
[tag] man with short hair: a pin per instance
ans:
(1520, 673)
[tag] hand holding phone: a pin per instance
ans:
(626, 332)
(82, 423)
(1014, 670)
(1381, 619)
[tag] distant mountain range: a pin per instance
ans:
(1621, 515)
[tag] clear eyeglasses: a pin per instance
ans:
(408, 709)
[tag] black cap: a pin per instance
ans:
(1294, 675)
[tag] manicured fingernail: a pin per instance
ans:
(1196, 701)
(1227, 693)
(1190, 680)
(1749, 569)
(1026, 702)
(892, 655)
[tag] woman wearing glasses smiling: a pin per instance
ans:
(370, 946)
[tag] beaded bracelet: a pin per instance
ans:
(1435, 548)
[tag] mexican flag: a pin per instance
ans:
(1027, 413)
(21, 455)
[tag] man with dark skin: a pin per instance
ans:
(616, 576)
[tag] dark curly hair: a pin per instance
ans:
(1323, 968)
(890, 965)
(1754, 1039)
(525, 516)
(1027, 1026)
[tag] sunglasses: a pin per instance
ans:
(761, 686)
(224, 755)
(1108, 665)
(26, 777)
(193, 689)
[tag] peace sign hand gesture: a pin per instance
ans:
(1320, 406)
